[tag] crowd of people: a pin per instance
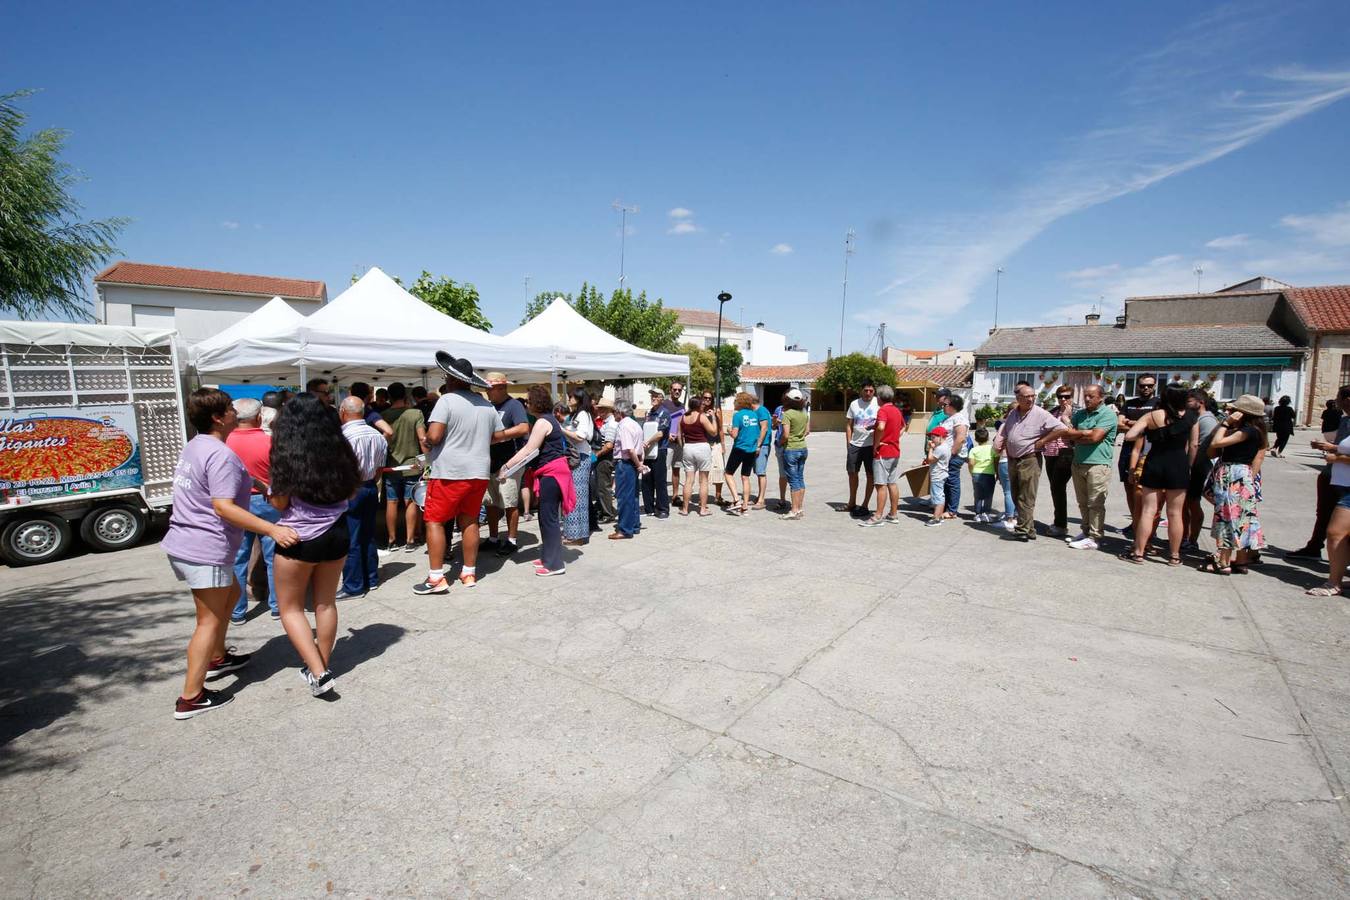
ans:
(291, 486)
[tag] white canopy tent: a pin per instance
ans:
(581, 350)
(374, 330)
(275, 317)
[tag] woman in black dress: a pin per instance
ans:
(1173, 436)
(1282, 420)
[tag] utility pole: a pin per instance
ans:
(527, 290)
(1199, 270)
(998, 279)
(843, 301)
(623, 233)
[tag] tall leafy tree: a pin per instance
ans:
(641, 322)
(457, 300)
(701, 368)
(46, 253)
(847, 373)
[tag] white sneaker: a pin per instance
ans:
(1009, 524)
(1086, 543)
(1080, 536)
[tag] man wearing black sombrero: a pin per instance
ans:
(460, 432)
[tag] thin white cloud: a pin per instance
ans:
(781, 249)
(682, 221)
(229, 225)
(1092, 272)
(1189, 103)
(1304, 248)
(1330, 228)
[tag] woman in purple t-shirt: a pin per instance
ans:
(210, 512)
(314, 473)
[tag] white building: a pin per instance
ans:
(196, 302)
(951, 356)
(758, 345)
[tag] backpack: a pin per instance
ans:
(573, 451)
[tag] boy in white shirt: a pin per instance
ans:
(938, 459)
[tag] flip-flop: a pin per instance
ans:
(1324, 590)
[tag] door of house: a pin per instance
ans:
(1078, 380)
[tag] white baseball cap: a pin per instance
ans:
(793, 394)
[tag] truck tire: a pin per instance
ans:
(113, 526)
(34, 539)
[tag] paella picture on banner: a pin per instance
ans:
(47, 454)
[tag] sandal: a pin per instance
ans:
(1131, 557)
(1173, 561)
(1238, 569)
(703, 512)
(1212, 566)
(1324, 590)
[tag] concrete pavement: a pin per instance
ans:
(749, 707)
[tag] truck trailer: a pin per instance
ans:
(91, 428)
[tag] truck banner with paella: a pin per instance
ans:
(47, 454)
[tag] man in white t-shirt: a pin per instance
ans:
(862, 418)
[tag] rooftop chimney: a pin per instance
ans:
(1093, 318)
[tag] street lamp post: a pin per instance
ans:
(998, 278)
(722, 300)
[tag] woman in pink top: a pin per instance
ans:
(314, 474)
(210, 513)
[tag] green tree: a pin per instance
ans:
(701, 362)
(641, 322)
(458, 301)
(847, 373)
(46, 253)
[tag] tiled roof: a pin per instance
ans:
(806, 372)
(1325, 308)
(943, 376)
(206, 280)
(703, 318)
(1146, 340)
(946, 376)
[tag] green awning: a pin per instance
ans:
(1209, 363)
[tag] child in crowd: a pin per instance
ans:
(938, 459)
(984, 472)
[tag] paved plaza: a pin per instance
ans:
(723, 707)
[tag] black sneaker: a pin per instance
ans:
(227, 663)
(432, 586)
(506, 548)
(202, 703)
(1304, 553)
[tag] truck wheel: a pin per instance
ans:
(35, 539)
(113, 527)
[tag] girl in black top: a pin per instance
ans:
(1282, 420)
(546, 436)
(1173, 435)
(1331, 418)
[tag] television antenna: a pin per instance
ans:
(1199, 271)
(843, 300)
(623, 212)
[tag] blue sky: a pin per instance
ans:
(1092, 151)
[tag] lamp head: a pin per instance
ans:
(723, 297)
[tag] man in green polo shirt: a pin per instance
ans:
(1093, 435)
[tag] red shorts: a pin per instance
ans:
(449, 500)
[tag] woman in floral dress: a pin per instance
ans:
(1240, 441)
(578, 429)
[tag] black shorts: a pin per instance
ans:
(1199, 475)
(332, 544)
(860, 458)
(741, 459)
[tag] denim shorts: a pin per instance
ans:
(794, 468)
(937, 490)
(1343, 498)
(762, 461)
(398, 486)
